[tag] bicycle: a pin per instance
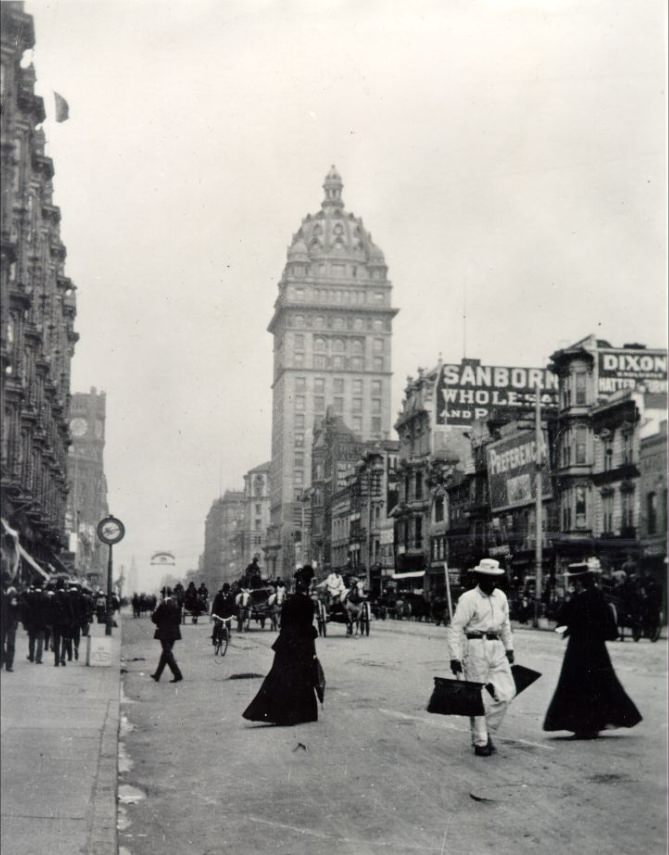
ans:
(221, 635)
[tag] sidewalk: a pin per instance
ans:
(59, 730)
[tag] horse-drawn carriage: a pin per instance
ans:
(352, 609)
(259, 605)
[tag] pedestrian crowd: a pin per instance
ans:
(55, 614)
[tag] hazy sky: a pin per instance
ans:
(513, 149)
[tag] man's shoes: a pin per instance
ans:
(76, 654)
(483, 750)
(9, 669)
(30, 659)
(491, 746)
(155, 677)
(176, 679)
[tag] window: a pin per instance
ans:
(299, 420)
(357, 405)
(300, 384)
(299, 439)
(627, 499)
(320, 361)
(299, 459)
(258, 509)
(358, 324)
(376, 425)
(357, 424)
(378, 296)
(580, 388)
(607, 513)
(378, 345)
(319, 404)
(319, 385)
(580, 507)
(298, 359)
(378, 324)
(580, 445)
(566, 516)
(319, 343)
(439, 509)
(418, 528)
(319, 321)
(338, 363)
(299, 293)
(299, 320)
(376, 387)
(628, 456)
(356, 363)
(338, 385)
(378, 363)
(299, 341)
(357, 347)
(338, 345)
(419, 479)
(376, 405)
(339, 405)
(357, 387)
(258, 524)
(565, 457)
(298, 477)
(299, 402)
(566, 393)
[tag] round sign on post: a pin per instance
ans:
(110, 530)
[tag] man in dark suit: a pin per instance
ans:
(167, 618)
(62, 618)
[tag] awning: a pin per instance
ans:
(30, 560)
(414, 574)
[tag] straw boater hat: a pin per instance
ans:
(581, 568)
(488, 567)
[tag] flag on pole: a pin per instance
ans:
(62, 108)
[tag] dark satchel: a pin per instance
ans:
(319, 679)
(456, 697)
(523, 677)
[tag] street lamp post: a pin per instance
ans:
(538, 544)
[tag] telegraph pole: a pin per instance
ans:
(538, 543)
(368, 574)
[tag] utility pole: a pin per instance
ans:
(368, 574)
(538, 514)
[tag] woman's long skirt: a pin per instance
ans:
(589, 696)
(287, 695)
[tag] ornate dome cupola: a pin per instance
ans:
(333, 186)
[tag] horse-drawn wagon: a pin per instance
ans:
(259, 605)
(352, 609)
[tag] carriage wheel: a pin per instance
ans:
(225, 640)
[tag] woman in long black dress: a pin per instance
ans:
(589, 697)
(287, 695)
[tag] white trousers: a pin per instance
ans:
(486, 662)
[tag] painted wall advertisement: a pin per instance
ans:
(512, 471)
(625, 367)
(471, 391)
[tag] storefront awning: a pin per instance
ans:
(414, 574)
(31, 561)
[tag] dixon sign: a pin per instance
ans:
(623, 368)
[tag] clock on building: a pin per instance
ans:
(78, 427)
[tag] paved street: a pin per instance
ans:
(377, 773)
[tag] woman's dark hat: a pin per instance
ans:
(304, 574)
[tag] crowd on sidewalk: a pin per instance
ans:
(56, 615)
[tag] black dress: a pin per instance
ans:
(589, 696)
(287, 695)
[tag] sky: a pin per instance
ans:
(508, 158)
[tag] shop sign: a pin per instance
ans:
(625, 367)
(512, 467)
(471, 391)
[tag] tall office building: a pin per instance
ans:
(332, 328)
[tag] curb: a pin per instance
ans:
(103, 831)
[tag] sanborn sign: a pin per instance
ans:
(472, 391)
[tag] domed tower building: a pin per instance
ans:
(332, 328)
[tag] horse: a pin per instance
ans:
(354, 608)
(275, 603)
(243, 603)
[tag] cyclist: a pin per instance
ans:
(223, 607)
